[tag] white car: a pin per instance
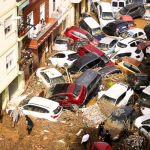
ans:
(137, 33)
(61, 44)
(63, 58)
(119, 94)
(132, 52)
(40, 107)
(143, 124)
(107, 44)
(105, 14)
(50, 76)
(126, 43)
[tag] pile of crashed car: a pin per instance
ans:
(125, 51)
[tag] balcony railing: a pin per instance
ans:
(26, 58)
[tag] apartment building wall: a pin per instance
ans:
(8, 51)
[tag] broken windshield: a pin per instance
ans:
(97, 31)
(107, 16)
(57, 80)
(102, 46)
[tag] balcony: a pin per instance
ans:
(20, 2)
(26, 59)
(23, 30)
(41, 34)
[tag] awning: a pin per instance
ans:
(24, 5)
(76, 1)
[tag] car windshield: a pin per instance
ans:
(97, 31)
(102, 46)
(145, 99)
(105, 58)
(108, 98)
(90, 37)
(61, 42)
(119, 44)
(57, 110)
(45, 76)
(56, 80)
(123, 11)
(24, 102)
(107, 16)
(76, 90)
(131, 23)
(73, 68)
(142, 78)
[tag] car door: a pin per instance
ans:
(62, 100)
(29, 110)
(145, 130)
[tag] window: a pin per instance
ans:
(134, 69)
(133, 44)
(8, 25)
(45, 76)
(140, 33)
(42, 11)
(91, 64)
(75, 33)
(59, 55)
(40, 110)
(121, 4)
(53, 5)
(28, 107)
(120, 98)
(112, 43)
(76, 90)
(63, 97)
(82, 36)
(135, 35)
(114, 4)
(10, 61)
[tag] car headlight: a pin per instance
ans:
(116, 137)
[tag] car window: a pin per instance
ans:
(85, 52)
(60, 55)
(94, 148)
(114, 4)
(133, 44)
(76, 33)
(119, 44)
(45, 76)
(146, 122)
(97, 61)
(76, 90)
(127, 65)
(40, 110)
(135, 35)
(112, 43)
(138, 42)
(61, 42)
(84, 68)
(96, 4)
(82, 36)
(141, 33)
(121, 4)
(133, 10)
(28, 107)
(91, 64)
(90, 37)
(120, 98)
(122, 55)
(63, 97)
(133, 68)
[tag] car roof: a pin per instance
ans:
(102, 145)
(130, 6)
(61, 88)
(127, 40)
(135, 30)
(147, 90)
(75, 28)
(51, 72)
(83, 60)
(66, 52)
(43, 102)
(107, 40)
(86, 77)
(124, 112)
(118, 21)
(91, 22)
(127, 18)
(128, 49)
(108, 69)
(116, 90)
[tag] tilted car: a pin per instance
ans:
(120, 121)
(119, 94)
(63, 58)
(134, 10)
(88, 61)
(69, 95)
(77, 33)
(116, 27)
(50, 76)
(40, 107)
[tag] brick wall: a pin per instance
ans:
(35, 7)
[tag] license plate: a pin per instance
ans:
(142, 86)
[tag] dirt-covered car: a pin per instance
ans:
(120, 121)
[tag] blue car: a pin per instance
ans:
(116, 27)
(89, 24)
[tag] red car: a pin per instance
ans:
(130, 21)
(90, 48)
(69, 94)
(100, 146)
(77, 33)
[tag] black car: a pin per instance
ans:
(91, 80)
(88, 61)
(119, 121)
(109, 70)
(138, 81)
(116, 27)
(135, 10)
(147, 30)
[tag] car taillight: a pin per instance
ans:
(138, 56)
(117, 28)
(134, 80)
(53, 117)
